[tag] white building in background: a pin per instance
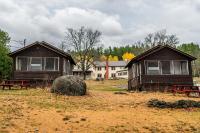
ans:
(122, 74)
(116, 70)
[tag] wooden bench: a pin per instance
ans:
(6, 85)
(24, 85)
(12, 83)
(186, 89)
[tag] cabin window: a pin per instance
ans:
(166, 67)
(36, 63)
(176, 67)
(180, 67)
(51, 64)
(22, 63)
(66, 66)
(153, 68)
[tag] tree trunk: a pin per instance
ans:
(84, 75)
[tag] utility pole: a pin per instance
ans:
(24, 43)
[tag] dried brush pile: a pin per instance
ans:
(178, 104)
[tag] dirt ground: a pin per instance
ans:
(38, 111)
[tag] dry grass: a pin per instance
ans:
(37, 110)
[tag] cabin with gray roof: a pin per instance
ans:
(159, 68)
(41, 61)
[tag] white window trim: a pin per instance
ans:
(146, 66)
(54, 69)
(171, 63)
(160, 70)
(30, 60)
(180, 67)
(31, 63)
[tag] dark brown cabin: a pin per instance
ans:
(40, 61)
(159, 68)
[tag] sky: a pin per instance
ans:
(120, 21)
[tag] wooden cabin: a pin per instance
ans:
(159, 68)
(41, 61)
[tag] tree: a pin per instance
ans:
(103, 58)
(161, 38)
(83, 41)
(110, 58)
(194, 50)
(128, 56)
(5, 60)
(62, 46)
(115, 58)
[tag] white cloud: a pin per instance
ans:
(39, 23)
(120, 21)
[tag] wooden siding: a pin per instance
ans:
(36, 75)
(165, 54)
(151, 81)
(167, 79)
(38, 51)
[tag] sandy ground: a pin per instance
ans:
(37, 110)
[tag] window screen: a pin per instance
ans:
(36, 64)
(177, 66)
(56, 63)
(22, 64)
(153, 68)
(180, 67)
(166, 67)
(49, 64)
(184, 69)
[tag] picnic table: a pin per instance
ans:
(11, 83)
(186, 89)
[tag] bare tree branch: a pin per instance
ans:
(161, 38)
(83, 41)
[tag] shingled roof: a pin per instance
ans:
(111, 63)
(156, 49)
(48, 46)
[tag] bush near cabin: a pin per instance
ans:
(177, 104)
(5, 60)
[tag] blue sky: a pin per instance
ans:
(120, 21)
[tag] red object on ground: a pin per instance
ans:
(11, 83)
(186, 89)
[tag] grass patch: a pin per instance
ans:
(111, 89)
(102, 109)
